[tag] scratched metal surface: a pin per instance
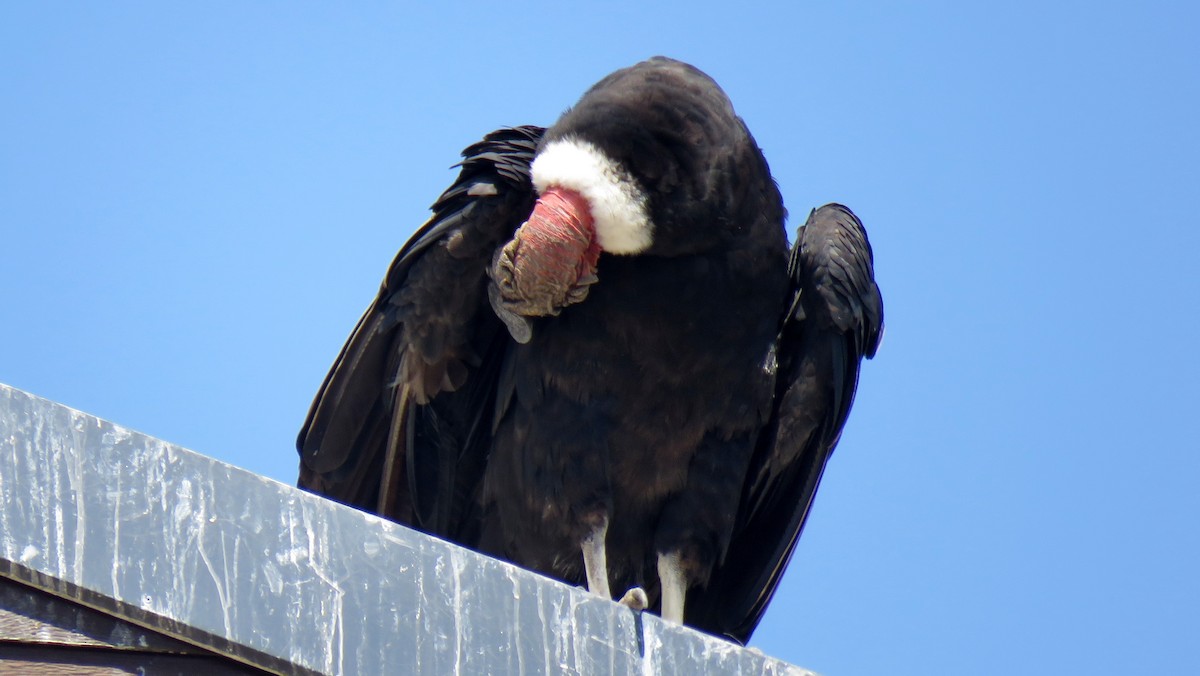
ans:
(276, 577)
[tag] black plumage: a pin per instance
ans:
(835, 319)
(661, 390)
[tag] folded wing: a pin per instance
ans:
(835, 319)
(401, 424)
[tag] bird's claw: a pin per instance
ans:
(635, 599)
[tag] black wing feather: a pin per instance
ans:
(429, 333)
(835, 319)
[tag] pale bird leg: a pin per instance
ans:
(595, 563)
(674, 587)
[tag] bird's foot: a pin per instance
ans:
(635, 599)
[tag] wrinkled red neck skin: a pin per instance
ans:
(561, 234)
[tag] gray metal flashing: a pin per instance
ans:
(290, 582)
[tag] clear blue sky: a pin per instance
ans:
(196, 204)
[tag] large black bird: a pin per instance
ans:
(599, 361)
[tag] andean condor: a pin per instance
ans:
(599, 361)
